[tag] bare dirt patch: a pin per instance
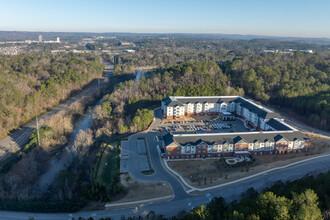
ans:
(143, 190)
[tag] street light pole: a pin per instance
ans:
(37, 130)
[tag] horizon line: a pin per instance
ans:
(170, 33)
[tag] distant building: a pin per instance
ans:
(130, 51)
(124, 44)
(58, 39)
(270, 51)
(40, 38)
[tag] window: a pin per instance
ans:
(257, 145)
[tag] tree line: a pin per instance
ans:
(299, 81)
(32, 83)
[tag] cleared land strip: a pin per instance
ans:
(13, 142)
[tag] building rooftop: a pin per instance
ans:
(222, 138)
(173, 100)
(278, 125)
(258, 109)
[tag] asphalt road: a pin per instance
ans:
(160, 173)
(18, 138)
(172, 207)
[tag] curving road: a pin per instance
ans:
(17, 139)
(172, 207)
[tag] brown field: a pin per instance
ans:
(143, 190)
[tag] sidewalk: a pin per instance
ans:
(265, 172)
(140, 202)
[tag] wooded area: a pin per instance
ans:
(31, 83)
(300, 81)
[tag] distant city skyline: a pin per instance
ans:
(290, 18)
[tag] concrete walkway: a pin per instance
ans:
(139, 202)
(241, 179)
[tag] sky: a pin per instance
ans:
(292, 18)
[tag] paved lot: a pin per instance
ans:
(141, 147)
(211, 126)
(133, 165)
(131, 150)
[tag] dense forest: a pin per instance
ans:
(300, 81)
(31, 83)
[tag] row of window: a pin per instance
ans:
(226, 148)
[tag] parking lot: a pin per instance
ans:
(215, 125)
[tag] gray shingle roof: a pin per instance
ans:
(181, 100)
(172, 101)
(234, 138)
(277, 125)
(262, 113)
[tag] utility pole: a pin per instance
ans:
(37, 130)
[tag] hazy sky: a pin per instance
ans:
(299, 18)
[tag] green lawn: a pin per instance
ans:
(109, 165)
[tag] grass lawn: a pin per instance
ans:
(109, 166)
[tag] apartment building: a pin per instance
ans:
(273, 135)
(256, 115)
(244, 144)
